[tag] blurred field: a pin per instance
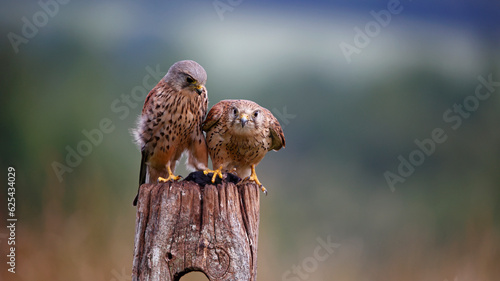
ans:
(345, 126)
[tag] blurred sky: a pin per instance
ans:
(347, 120)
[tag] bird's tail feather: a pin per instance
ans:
(142, 175)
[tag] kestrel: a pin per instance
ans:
(239, 134)
(171, 123)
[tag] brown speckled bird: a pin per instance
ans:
(171, 122)
(239, 134)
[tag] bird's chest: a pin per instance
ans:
(247, 148)
(175, 122)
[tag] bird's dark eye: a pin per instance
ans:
(190, 80)
(255, 114)
(235, 111)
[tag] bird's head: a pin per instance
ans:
(245, 117)
(187, 77)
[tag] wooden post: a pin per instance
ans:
(183, 227)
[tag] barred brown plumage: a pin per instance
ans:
(170, 123)
(239, 134)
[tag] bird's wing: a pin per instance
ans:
(142, 173)
(214, 115)
(151, 96)
(276, 132)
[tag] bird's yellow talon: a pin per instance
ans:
(216, 173)
(171, 176)
(264, 190)
(253, 177)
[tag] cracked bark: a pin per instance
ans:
(182, 227)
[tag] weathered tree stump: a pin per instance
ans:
(183, 227)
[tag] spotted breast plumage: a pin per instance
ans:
(239, 134)
(171, 123)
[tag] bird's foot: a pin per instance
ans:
(216, 173)
(170, 177)
(253, 177)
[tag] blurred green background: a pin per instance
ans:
(346, 119)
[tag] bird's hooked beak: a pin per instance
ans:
(199, 89)
(243, 119)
